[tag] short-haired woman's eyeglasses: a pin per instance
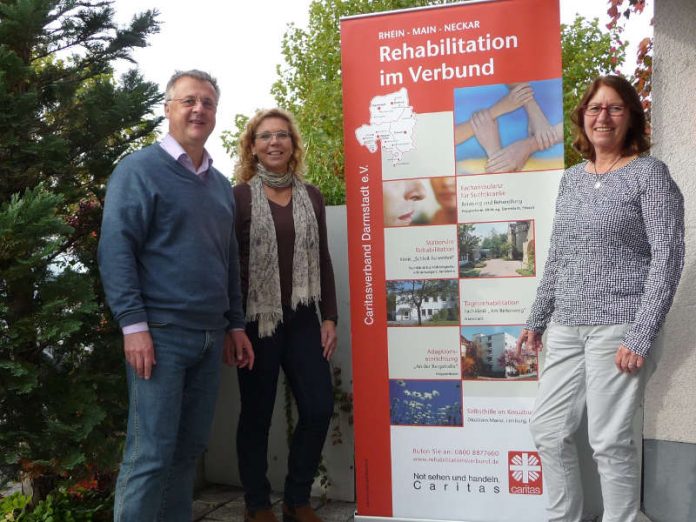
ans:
(595, 108)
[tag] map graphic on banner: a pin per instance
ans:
(391, 124)
(453, 145)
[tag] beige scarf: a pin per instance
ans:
(263, 301)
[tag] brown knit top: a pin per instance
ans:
(285, 236)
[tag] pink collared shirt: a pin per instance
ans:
(176, 151)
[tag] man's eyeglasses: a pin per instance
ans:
(190, 101)
(595, 109)
(268, 136)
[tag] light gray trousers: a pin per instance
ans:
(579, 372)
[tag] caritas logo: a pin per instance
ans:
(524, 473)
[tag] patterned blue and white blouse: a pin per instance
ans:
(617, 251)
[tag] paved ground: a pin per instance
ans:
(501, 268)
(226, 503)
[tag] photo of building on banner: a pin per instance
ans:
(454, 151)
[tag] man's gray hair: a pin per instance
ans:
(191, 73)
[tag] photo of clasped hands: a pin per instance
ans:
(484, 126)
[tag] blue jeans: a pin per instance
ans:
(296, 347)
(169, 421)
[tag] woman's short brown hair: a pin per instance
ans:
(245, 169)
(636, 140)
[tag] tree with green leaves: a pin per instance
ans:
(64, 123)
(588, 52)
(468, 241)
(642, 75)
(498, 244)
(309, 86)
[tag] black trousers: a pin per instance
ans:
(296, 347)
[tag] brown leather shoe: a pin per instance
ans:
(299, 514)
(260, 515)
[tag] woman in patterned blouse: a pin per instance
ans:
(614, 263)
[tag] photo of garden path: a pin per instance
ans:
(498, 249)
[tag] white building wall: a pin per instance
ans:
(496, 350)
(499, 342)
(406, 311)
(221, 459)
(670, 399)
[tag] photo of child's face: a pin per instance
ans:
(400, 200)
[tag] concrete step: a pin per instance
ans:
(216, 503)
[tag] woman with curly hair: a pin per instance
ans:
(287, 278)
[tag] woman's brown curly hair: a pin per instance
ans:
(245, 169)
(636, 141)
